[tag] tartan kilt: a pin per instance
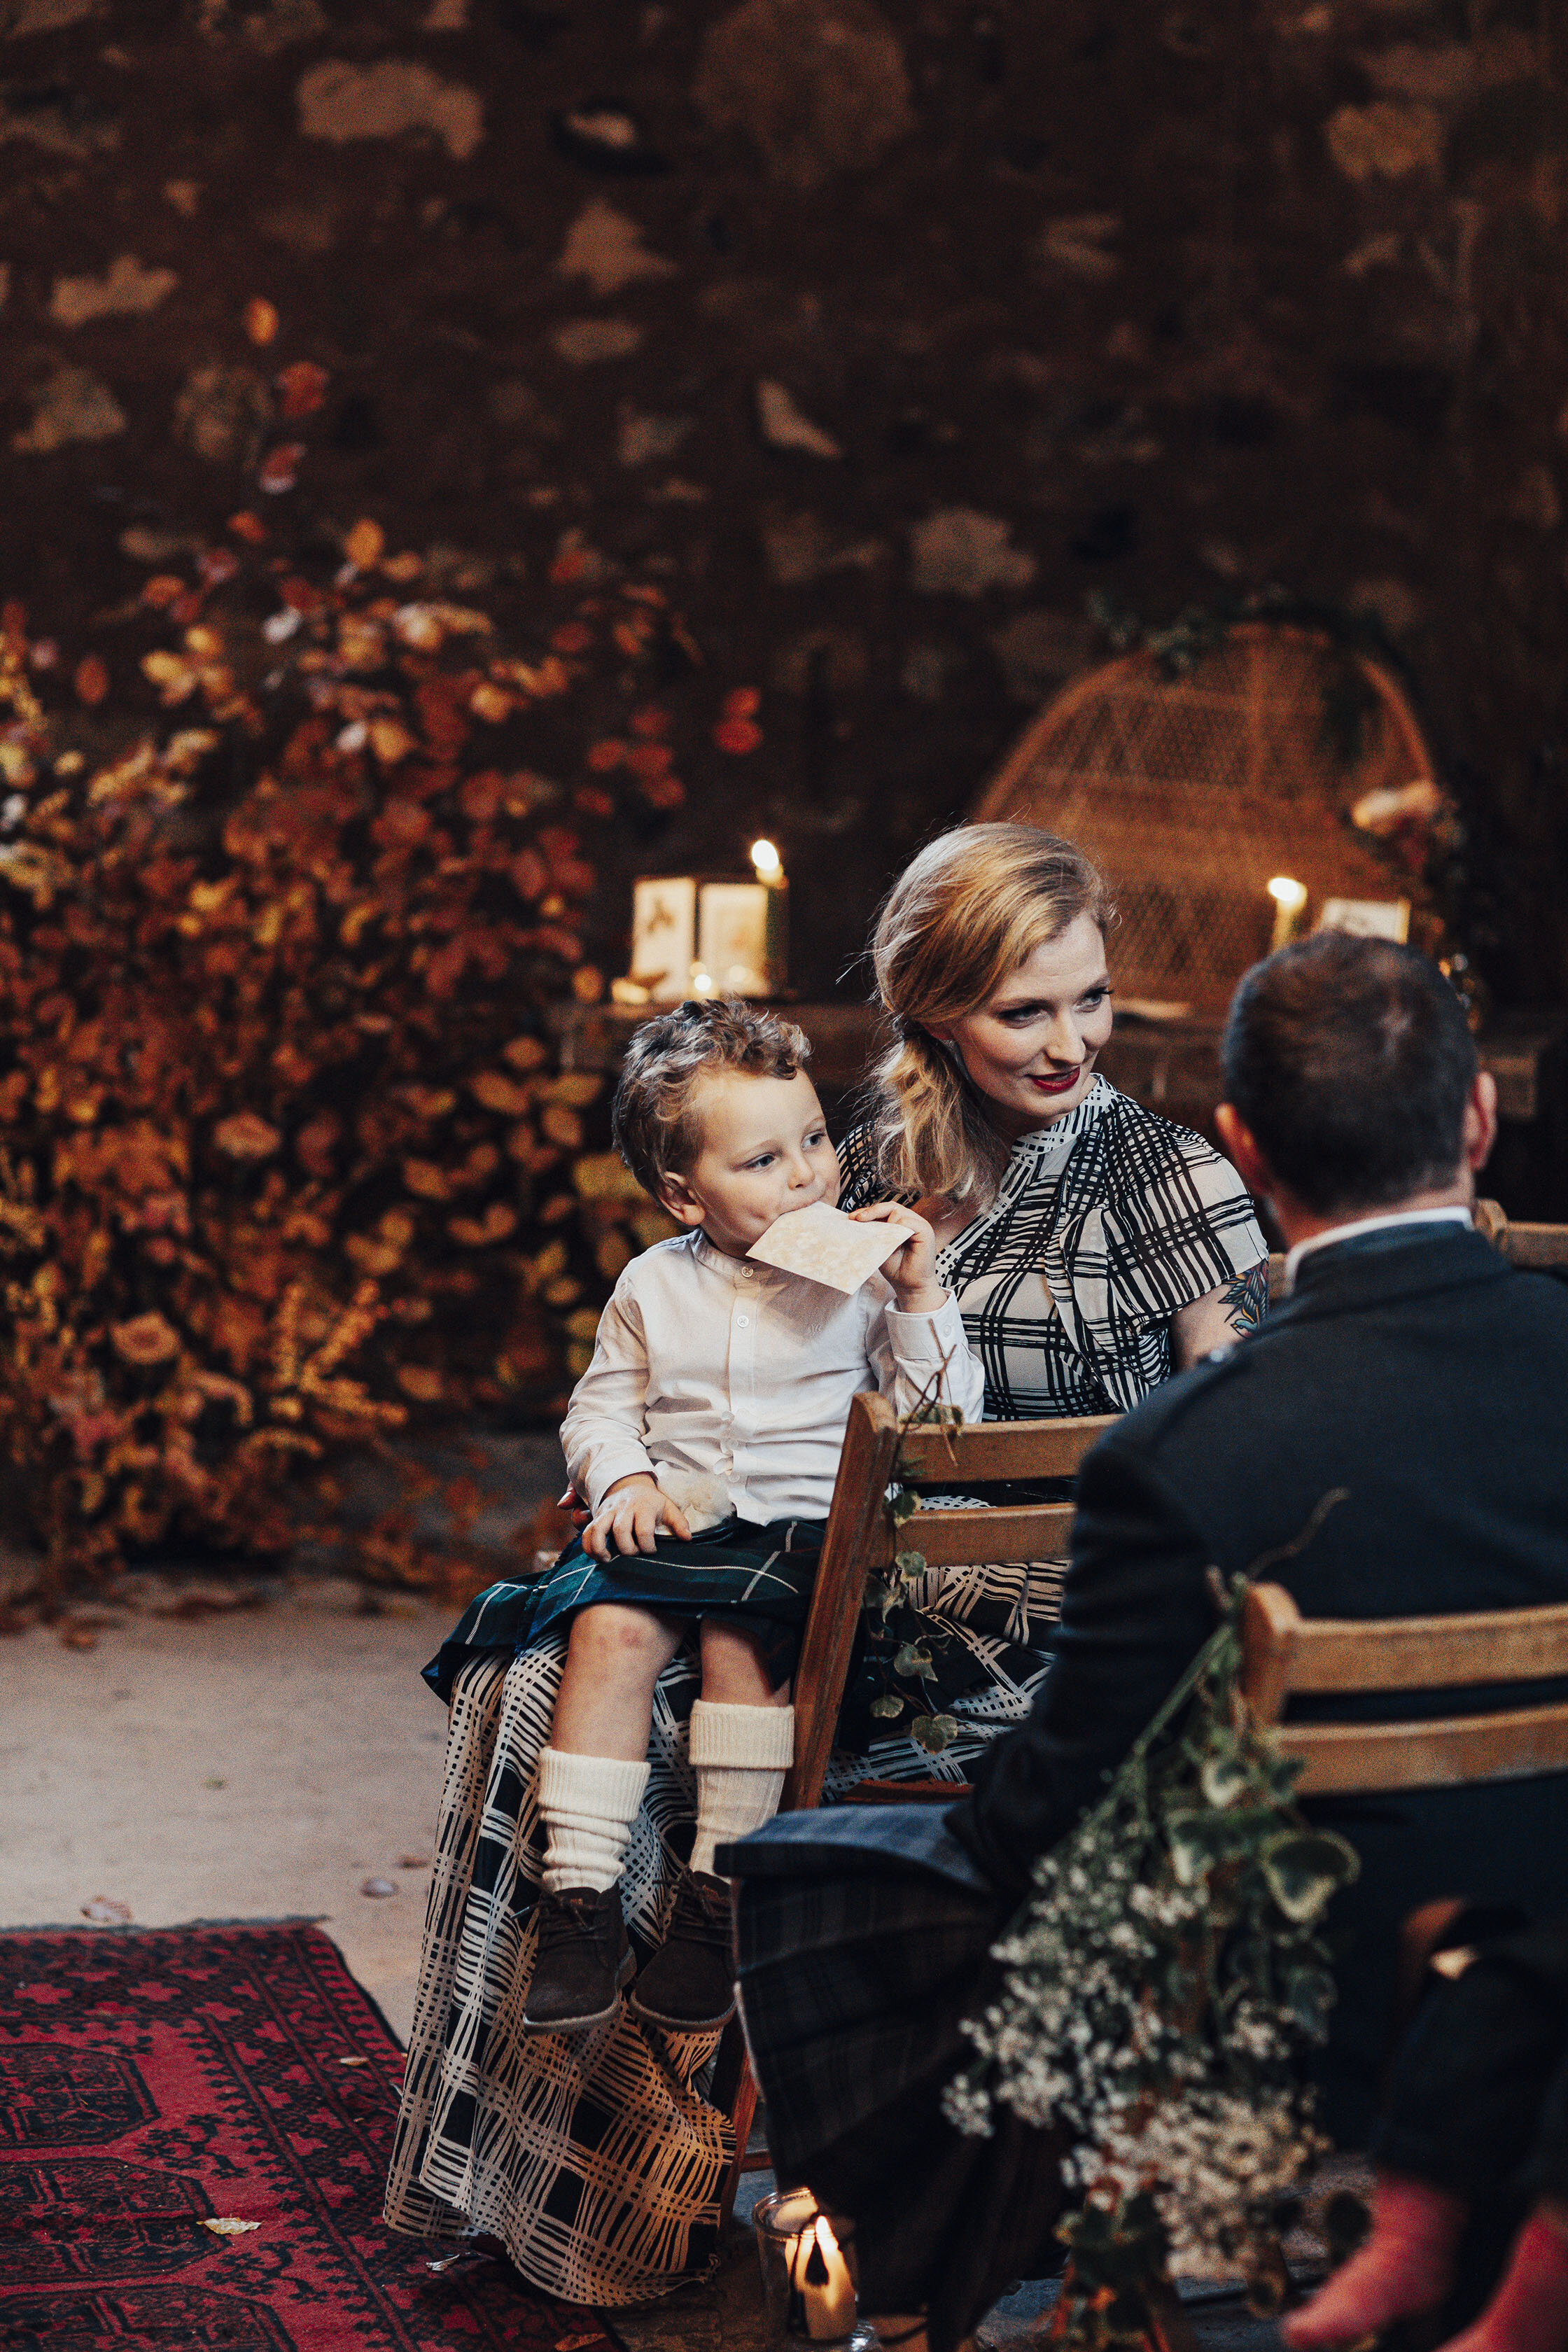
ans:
(857, 1966)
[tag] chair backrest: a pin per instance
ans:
(1524, 1245)
(861, 1538)
(1285, 1653)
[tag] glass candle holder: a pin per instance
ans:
(808, 2274)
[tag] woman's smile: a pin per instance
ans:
(1057, 1082)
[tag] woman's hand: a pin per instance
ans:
(631, 1515)
(913, 1271)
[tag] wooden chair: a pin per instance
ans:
(861, 1538)
(1526, 1246)
(1285, 1653)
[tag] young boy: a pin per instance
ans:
(720, 1381)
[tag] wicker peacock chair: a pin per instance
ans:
(1193, 791)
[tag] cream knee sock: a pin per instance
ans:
(589, 1803)
(741, 1754)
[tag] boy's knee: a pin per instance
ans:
(610, 1636)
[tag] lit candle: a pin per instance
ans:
(766, 862)
(822, 2291)
(1290, 896)
(768, 867)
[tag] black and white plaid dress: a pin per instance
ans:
(597, 2159)
(1105, 1225)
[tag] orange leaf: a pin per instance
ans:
(261, 320)
(572, 638)
(249, 527)
(91, 680)
(743, 702)
(279, 467)
(364, 543)
(737, 736)
(603, 757)
(301, 388)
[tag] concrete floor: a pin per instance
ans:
(258, 1763)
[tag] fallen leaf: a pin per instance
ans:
(378, 1887)
(79, 1637)
(106, 1911)
(91, 680)
(413, 1862)
(214, 1782)
(354, 2061)
(260, 319)
(228, 2225)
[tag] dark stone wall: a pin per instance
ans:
(887, 332)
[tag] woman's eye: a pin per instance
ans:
(1096, 996)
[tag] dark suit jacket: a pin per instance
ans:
(1420, 1373)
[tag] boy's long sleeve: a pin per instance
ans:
(929, 1357)
(602, 1435)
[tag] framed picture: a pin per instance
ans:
(664, 933)
(1367, 919)
(733, 943)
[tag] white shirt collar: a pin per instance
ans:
(1384, 1223)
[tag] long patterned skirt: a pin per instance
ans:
(597, 2161)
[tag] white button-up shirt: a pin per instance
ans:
(713, 1363)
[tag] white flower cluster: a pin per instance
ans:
(1131, 2017)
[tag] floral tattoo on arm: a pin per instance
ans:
(1247, 1300)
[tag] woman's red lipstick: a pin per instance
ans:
(1059, 1086)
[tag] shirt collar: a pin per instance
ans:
(1384, 1223)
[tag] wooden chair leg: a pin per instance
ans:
(742, 2113)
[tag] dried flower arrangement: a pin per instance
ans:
(1161, 1981)
(285, 1147)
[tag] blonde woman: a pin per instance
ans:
(1093, 1246)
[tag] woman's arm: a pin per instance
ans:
(1219, 1319)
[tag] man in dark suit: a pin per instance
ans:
(1410, 1368)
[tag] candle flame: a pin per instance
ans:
(766, 860)
(1287, 892)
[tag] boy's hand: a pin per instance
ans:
(913, 1271)
(631, 1515)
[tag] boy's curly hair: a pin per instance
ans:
(652, 1118)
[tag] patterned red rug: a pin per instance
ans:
(155, 2082)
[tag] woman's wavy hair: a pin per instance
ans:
(973, 907)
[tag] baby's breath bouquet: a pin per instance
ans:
(1161, 1981)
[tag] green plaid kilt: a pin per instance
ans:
(761, 1577)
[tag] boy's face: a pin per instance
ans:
(764, 1151)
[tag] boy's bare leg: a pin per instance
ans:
(604, 1704)
(734, 1673)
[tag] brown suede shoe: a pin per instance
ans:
(584, 1959)
(689, 1985)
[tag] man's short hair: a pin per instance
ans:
(1350, 1061)
(653, 1117)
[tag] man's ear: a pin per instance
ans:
(676, 1198)
(1241, 1150)
(1480, 1122)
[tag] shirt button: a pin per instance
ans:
(746, 1272)
(742, 1320)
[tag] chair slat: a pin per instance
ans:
(1356, 1759)
(1342, 1654)
(959, 1538)
(1535, 1245)
(856, 1529)
(1000, 1449)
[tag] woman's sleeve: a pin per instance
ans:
(1187, 1230)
